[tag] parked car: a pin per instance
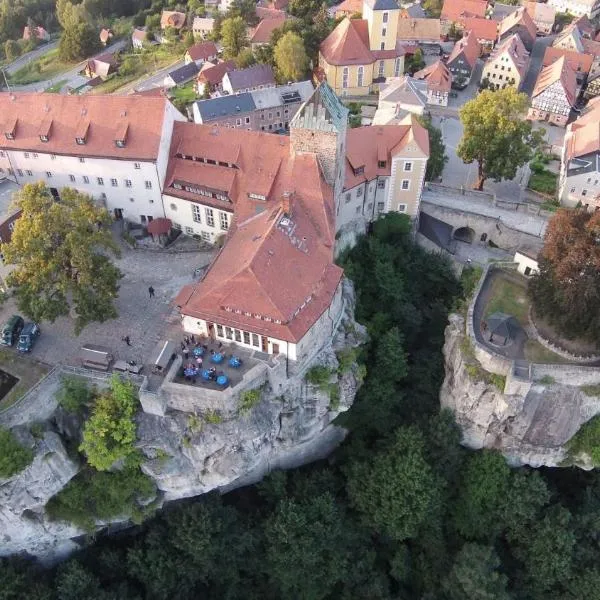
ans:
(11, 330)
(29, 334)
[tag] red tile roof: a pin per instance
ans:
(581, 63)
(585, 132)
(263, 31)
(455, 10)
(484, 29)
(140, 34)
(269, 13)
(438, 77)
(172, 18)
(106, 116)
(469, 47)
(367, 146)
(419, 30)
(275, 276)
(519, 17)
(202, 51)
(105, 35)
(559, 70)
(213, 74)
(348, 8)
(348, 44)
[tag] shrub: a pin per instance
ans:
(587, 440)
(91, 496)
(591, 390)
(334, 397)
(74, 394)
(194, 423)
(547, 379)
(13, 456)
(249, 399)
(213, 417)
(346, 359)
(109, 434)
(318, 375)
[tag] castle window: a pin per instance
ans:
(345, 77)
(383, 32)
(385, 17)
(382, 47)
(381, 164)
(382, 63)
(359, 78)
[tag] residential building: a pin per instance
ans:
(181, 75)
(173, 19)
(579, 181)
(139, 38)
(574, 36)
(485, 30)
(425, 33)
(439, 81)
(518, 22)
(38, 32)
(115, 148)
(256, 77)
(554, 94)
(8, 216)
(579, 8)
(211, 75)
(270, 109)
(347, 8)
(462, 60)
(263, 13)
(453, 11)
(201, 53)
(106, 35)
(413, 11)
(579, 62)
(361, 53)
(543, 15)
(202, 27)
(592, 88)
(399, 96)
(261, 34)
(101, 66)
(500, 11)
(507, 65)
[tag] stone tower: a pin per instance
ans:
(319, 127)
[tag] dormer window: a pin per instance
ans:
(381, 164)
(121, 135)
(120, 143)
(80, 141)
(11, 129)
(45, 130)
(359, 170)
(43, 138)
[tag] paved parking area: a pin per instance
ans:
(145, 320)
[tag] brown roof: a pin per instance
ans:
(348, 7)
(106, 116)
(139, 33)
(519, 17)
(172, 18)
(585, 26)
(591, 47)
(559, 70)
(269, 13)
(580, 63)
(484, 29)
(202, 51)
(469, 47)
(585, 132)
(275, 276)
(159, 226)
(455, 10)
(213, 74)
(437, 75)
(540, 11)
(348, 44)
(105, 35)
(419, 29)
(368, 146)
(263, 31)
(514, 47)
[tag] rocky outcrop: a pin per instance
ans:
(187, 454)
(528, 421)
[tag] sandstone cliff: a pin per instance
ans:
(529, 421)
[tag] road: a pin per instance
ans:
(20, 62)
(72, 77)
(152, 81)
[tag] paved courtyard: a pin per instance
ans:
(145, 320)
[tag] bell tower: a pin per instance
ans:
(382, 17)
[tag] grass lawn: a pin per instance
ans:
(184, 95)
(543, 182)
(112, 84)
(536, 353)
(41, 69)
(510, 298)
(55, 89)
(28, 371)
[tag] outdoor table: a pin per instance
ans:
(217, 358)
(206, 375)
(190, 372)
(198, 351)
(235, 362)
(222, 380)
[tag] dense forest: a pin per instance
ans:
(399, 511)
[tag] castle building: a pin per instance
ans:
(361, 53)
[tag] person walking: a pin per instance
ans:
(151, 291)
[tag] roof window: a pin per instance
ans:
(11, 129)
(121, 135)
(45, 130)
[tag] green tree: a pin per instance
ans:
(75, 582)
(437, 150)
(14, 457)
(11, 49)
(109, 434)
(396, 490)
(245, 58)
(496, 135)
(433, 7)
(60, 250)
(290, 57)
(78, 42)
(74, 394)
(233, 36)
(475, 575)
(414, 62)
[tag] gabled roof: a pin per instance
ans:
(213, 74)
(484, 29)
(583, 135)
(184, 73)
(512, 46)
(251, 77)
(139, 33)
(348, 7)
(382, 4)
(172, 18)
(263, 31)
(519, 18)
(468, 46)
(438, 77)
(403, 90)
(203, 23)
(455, 10)
(105, 35)
(580, 63)
(540, 11)
(225, 106)
(269, 13)
(202, 51)
(348, 44)
(419, 29)
(557, 71)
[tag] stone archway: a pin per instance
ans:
(464, 234)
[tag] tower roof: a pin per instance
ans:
(323, 100)
(382, 4)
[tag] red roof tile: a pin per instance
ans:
(467, 46)
(172, 18)
(484, 29)
(559, 70)
(263, 31)
(348, 44)
(519, 17)
(348, 8)
(581, 63)
(213, 74)
(455, 10)
(437, 75)
(203, 51)
(585, 132)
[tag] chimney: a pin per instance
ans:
(286, 203)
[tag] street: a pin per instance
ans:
(152, 81)
(27, 58)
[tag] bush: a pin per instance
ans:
(213, 417)
(13, 456)
(318, 375)
(334, 397)
(74, 394)
(591, 390)
(547, 379)
(91, 496)
(249, 399)
(587, 440)
(346, 359)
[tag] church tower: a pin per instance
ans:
(382, 19)
(319, 127)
